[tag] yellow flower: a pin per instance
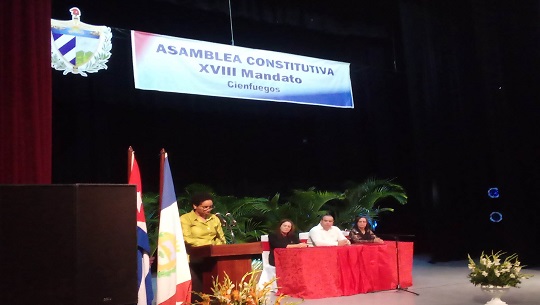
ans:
(205, 300)
(278, 299)
(247, 292)
(235, 295)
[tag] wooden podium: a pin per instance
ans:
(209, 262)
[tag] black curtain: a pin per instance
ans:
(473, 99)
(238, 146)
(445, 95)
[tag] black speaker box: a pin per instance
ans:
(68, 244)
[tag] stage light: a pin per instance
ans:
(495, 216)
(493, 192)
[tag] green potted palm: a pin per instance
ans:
(304, 207)
(248, 212)
(256, 216)
(151, 211)
(365, 199)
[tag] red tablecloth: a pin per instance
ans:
(322, 272)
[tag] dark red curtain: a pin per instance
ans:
(25, 92)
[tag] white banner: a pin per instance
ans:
(172, 64)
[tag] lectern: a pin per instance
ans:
(209, 262)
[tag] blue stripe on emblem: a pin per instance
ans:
(56, 35)
(68, 46)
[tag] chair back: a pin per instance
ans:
(269, 272)
(266, 249)
(304, 237)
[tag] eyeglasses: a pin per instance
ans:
(209, 207)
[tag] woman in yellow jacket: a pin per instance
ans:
(200, 227)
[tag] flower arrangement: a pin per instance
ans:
(491, 270)
(245, 293)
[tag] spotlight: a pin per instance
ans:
(495, 217)
(493, 192)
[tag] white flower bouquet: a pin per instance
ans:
(491, 270)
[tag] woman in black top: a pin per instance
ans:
(285, 236)
(362, 233)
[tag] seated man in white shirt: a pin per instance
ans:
(326, 234)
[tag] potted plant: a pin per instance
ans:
(257, 216)
(495, 275)
(365, 198)
(246, 292)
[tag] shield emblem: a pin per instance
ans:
(79, 48)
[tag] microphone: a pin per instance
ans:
(233, 221)
(221, 219)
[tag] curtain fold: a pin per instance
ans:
(25, 92)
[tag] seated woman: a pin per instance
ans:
(285, 236)
(362, 232)
(200, 227)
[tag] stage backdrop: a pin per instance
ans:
(171, 64)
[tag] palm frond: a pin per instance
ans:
(368, 193)
(256, 216)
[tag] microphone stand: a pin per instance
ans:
(396, 239)
(221, 219)
(232, 223)
(227, 225)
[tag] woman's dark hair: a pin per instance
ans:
(199, 198)
(293, 227)
(355, 225)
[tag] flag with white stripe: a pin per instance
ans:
(174, 278)
(144, 276)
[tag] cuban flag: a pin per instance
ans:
(174, 278)
(144, 276)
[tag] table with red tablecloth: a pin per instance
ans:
(322, 272)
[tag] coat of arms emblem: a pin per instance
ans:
(78, 47)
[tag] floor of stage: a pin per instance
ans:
(437, 284)
(440, 284)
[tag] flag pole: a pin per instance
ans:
(130, 162)
(145, 292)
(161, 174)
(174, 278)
